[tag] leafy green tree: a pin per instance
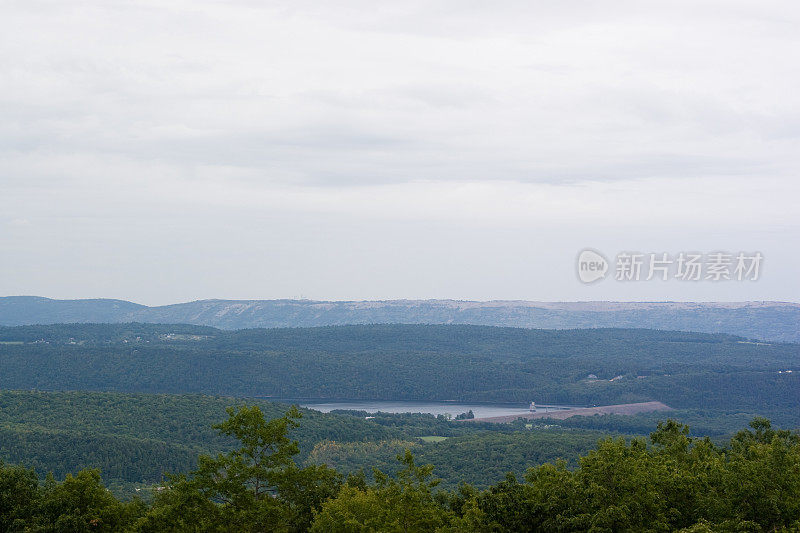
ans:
(81, 504)
(304, 490)
(763, 476)
(256, 487)
(394, 505)
(505, 507)
(19, 494)
(181, 508)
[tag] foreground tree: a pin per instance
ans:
(674, 483)
(671, 483)
(81, 503)
(393, 505)
(256, 487)
(19, 495)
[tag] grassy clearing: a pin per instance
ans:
(432, 438)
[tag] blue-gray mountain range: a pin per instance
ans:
(772, 321)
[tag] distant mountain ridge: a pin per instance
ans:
(772, 321)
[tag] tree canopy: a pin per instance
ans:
(669, 482)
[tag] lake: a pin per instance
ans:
(481, 410)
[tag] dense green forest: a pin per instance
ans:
(134, 439)
(667, 483)
(137, 402)
(478, 459)
(470, 363)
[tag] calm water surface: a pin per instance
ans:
(480, 410)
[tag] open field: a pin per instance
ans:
(620, 409)
(432, 438)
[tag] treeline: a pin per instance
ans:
(185, 419)
(476, 459)
(468, 363)
(714, 423)
(120, 458)
(89, 334)
(673, 482)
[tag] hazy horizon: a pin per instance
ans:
(311, 300)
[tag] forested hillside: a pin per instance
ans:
(670, 482)
(775, 321)
(135, 439)
(475, 363)
(136, 432)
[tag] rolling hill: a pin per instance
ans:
(407, 362)
(772, 321)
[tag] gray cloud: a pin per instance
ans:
(453, 87)
(524, 118)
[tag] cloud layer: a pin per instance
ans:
(135, 124)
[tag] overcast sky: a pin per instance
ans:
(171, 151)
